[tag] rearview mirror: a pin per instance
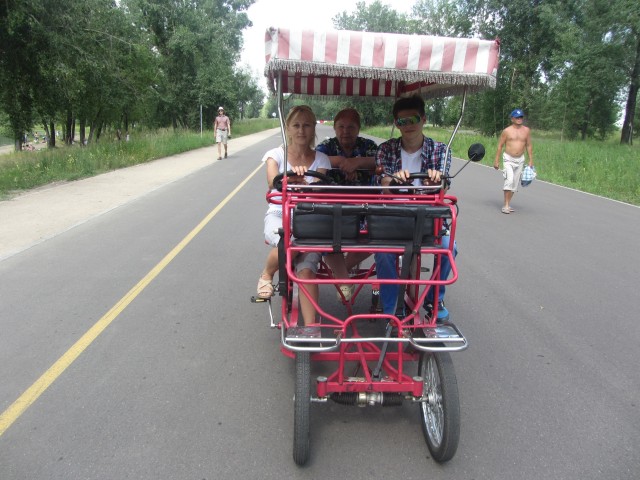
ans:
(476, 152)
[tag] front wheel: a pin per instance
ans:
(440, 413)
(301, 407)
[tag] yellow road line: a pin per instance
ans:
(11, 414)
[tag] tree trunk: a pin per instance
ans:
(95, 122)
(52, 137)
(83, 127)
(585, 124)
(630, 110)
(47, 133)
(99, 129)
(69, 128)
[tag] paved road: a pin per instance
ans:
(129, 348)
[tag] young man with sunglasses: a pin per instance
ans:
(399, 157)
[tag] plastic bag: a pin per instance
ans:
(528, 175)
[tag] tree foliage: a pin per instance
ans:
(105, 65)
(569, 64)
(108, 64)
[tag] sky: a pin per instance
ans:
(294, 13)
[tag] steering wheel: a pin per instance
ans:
(413, 176)
(277, 180)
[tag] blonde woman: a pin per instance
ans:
(300, 129)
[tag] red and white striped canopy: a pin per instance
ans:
(377, 64)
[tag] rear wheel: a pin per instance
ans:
(302, 404)
(440, 414)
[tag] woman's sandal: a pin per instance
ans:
(265, 287)
(347, 292)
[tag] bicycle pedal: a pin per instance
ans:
(255, 299)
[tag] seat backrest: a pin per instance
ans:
(405, 222)
(325, 222)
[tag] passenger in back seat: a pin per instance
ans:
(351, 157)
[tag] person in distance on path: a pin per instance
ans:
(222, 127)
(515, 139)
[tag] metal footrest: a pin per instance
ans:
(307, 339)
(443, 337)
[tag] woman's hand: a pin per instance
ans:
(299, 178)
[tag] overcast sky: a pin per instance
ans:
(313, 14)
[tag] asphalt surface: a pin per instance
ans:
(129, 349)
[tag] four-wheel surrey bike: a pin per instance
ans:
(360, 368)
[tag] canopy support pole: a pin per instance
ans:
(455, 130)
(282, 125)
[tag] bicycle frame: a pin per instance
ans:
(404, 221)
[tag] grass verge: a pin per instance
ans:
(21, 171)
(602, 168)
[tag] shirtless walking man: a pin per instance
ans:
(515, 139)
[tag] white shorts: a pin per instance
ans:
(512, 171)
(221, 136)
(272, 222)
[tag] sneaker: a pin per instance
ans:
(225, 154)
(443, 313)
(309, 332)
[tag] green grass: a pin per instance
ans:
(602, 168)
(25, 170)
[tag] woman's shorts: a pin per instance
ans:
(272, 222)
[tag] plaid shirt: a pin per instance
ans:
(432, 156)
(363, 148)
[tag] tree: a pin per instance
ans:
(446, 18)
(627, 30)
(375, 17)
(107, 63)
(197, 43)
(249, 96)
(20, 43)
(69, 59)
(585, 74)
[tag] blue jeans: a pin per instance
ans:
(386, 268)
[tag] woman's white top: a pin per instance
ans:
(320, 161)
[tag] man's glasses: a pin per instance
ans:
(412, 120)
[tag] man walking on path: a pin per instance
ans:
(222, 127)
(515, 139)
